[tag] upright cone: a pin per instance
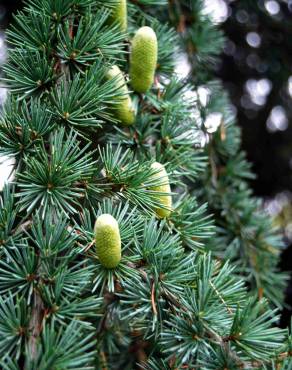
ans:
(123, 109)
(143, 59)
(119, 15)
(162, 187)
(108, 240)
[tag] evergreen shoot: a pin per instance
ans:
(129, 237)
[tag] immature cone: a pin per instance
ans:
(123, 109)
(163, 187)
(119, 15)
(108, 240)
(143, 59)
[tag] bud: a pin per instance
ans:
(123, 109)
(119, 15)
(163, 187)
(108, 241)
(143, 59)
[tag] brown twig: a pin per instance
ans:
(89, 246)
(35, 324)
(220, 297)
(153, 299)
(103, 361)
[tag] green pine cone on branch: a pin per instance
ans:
(118, 246)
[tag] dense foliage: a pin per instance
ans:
(173, 301)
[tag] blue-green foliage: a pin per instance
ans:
(173, 301)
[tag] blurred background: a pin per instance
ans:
(256, 69)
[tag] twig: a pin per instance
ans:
(103, 361)
(89, 246)
(35, 325)
(153, 299)
(220, 297)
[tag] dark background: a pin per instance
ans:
(266, 136)
(7, 7)
(256, 69)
